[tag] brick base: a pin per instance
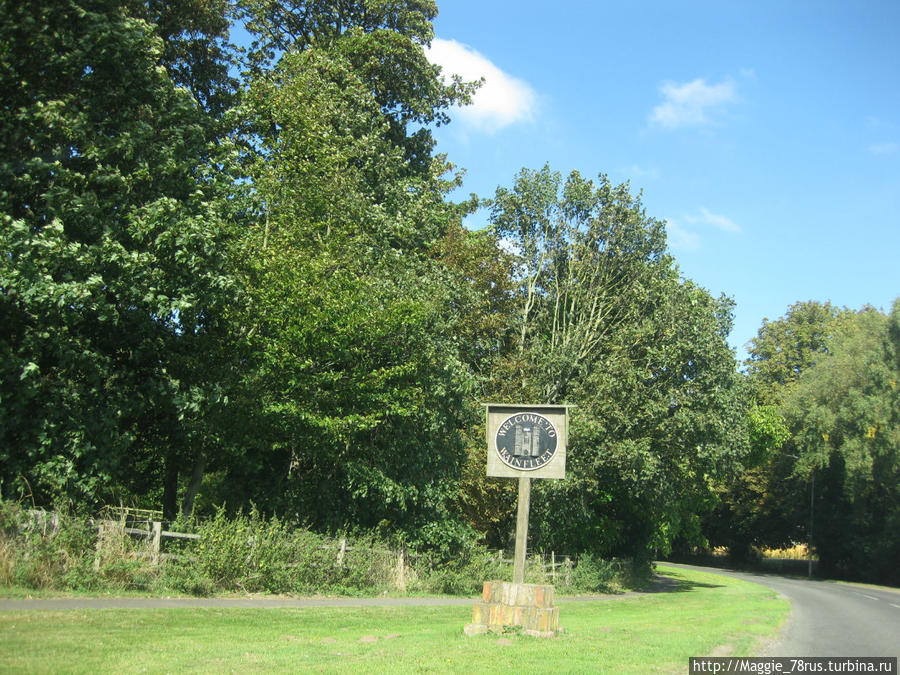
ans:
(506, 604)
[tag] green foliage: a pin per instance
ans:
(826, 432)
(254, 554)
(251, 553)
(353, 384)
(604, 321)
(785, 347)
(597, 575)
(112, 277)
(43, 550)
(382, 42)
(461, 571)
(768, 433)
(256, 292)
(762, 505)
(845, 413)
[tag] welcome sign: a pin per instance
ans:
(527, 440)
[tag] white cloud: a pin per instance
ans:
(692, 103)
(681, 239)
(722, 222)
(884, 148)
(501, 101)
(636, 171)
(684, 239)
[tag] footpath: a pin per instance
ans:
(660, 584)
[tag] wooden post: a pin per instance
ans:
(340, 555)
(98, 552)
(156, 537)
(522, 529)
(553, 566)
(400, 577)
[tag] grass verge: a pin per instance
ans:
(701, 614)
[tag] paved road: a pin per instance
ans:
(830, 619)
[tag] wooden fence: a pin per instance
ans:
(153, 533)
(148, 525)
(559, 566)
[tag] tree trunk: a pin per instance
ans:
(170, 488)
(187, 505)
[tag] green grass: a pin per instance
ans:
(704, 614)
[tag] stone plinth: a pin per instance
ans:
(504, 604)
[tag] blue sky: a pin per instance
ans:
(767, 134)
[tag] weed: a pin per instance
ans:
(253, 553)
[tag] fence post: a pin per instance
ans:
(400, 581)
(553, 566)
(103, 529)
(156, 526)
(340, 556)
(98, 548)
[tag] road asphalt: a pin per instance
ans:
(828, 618)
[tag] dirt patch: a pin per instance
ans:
(369, 639)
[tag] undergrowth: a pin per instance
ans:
(250, 553)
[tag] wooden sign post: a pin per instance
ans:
(522, 510)
(524, 442)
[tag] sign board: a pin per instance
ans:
(527, 440)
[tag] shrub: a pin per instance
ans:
(60, 551)
(462, 575)
(252, 553)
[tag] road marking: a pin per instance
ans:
(869, 596)
(893, 605)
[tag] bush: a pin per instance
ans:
(254, 554)
(461, 575)
(595, 575)
(60, 551)
(188, 579)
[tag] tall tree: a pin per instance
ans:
(383, 41)
(354, 383)
(845, 416)
(785, 347)
(112, 281)
(767, 503)
(605, 322)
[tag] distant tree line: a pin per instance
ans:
(825, 436)
(234, 276)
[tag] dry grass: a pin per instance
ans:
(798, 552)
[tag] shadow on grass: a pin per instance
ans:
(668, 582)
(675, 584)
